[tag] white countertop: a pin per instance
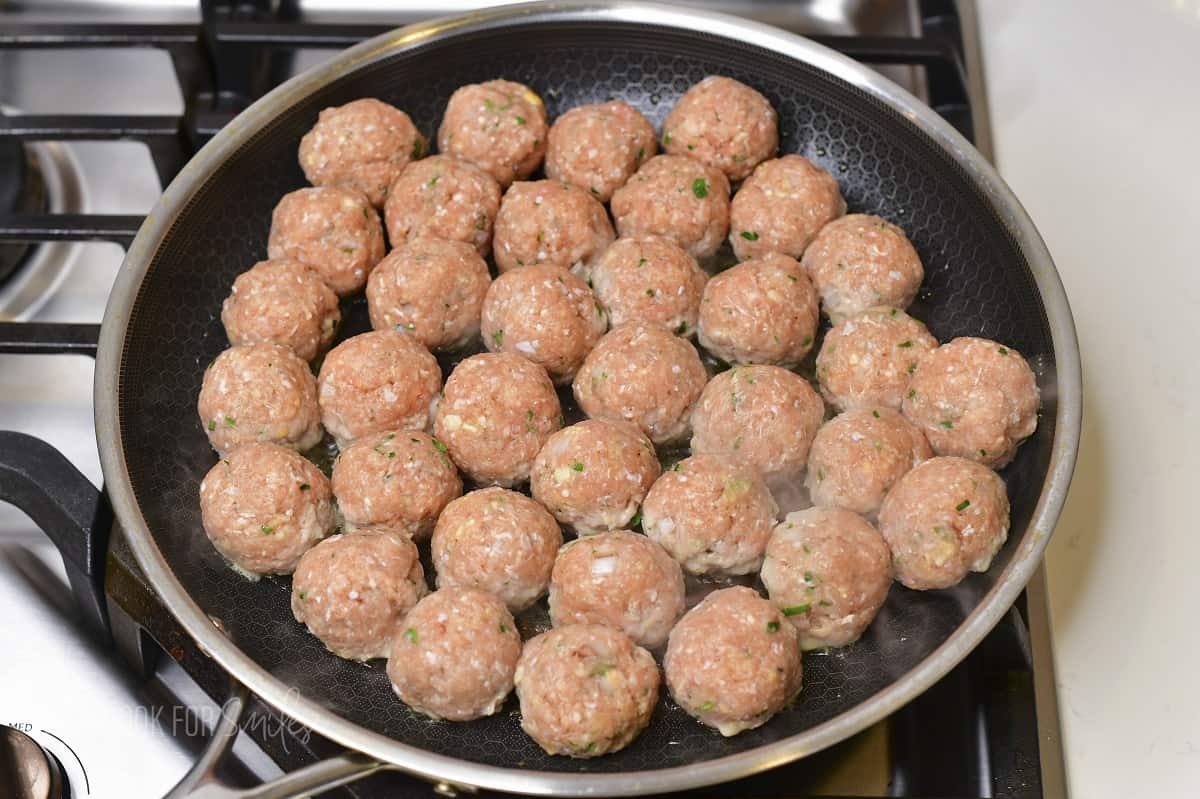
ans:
(1096, 113)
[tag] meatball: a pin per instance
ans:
(860, 261)
(334, 231)
(974, 398)
(264, 506)
(431, 289)
(498, 541)
(353, 590)
(259, 392)
(678, 198)
(550, 222)
(594, 475)
(643, 374)
(867, 359)
(649, 279)
(456, 656)
(545, 314)
(281, 302)
(377, 382)
(499, 126)
(760, 311)
(829, 572)
(857, 457)
(782, 206)
(764, 415)
(445, 198)
(725, 124)
(713, 515)
(397, 482)
(597, 147)
(585, 689)
(733, 661)
(497, 411)
(946, 517)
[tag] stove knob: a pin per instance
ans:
(27, 769)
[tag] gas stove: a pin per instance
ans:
(100, 104)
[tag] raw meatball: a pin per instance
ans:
(649, 279)
(713, 515)
(678, 198)
(594, 475)
(264, 506)
(334, 231)
(499, 125)
(431, 289)
(353, 590)
(860, 261)
(585, 690)
(281, 302)
(868, 359)
(946, 517)
(857, 457)
(597, 147)
(546, 314)
(782, 206)
(643, 374)
(829, 572)
(443, 197)
(398, 482)
(760, 311)
(377, 382)
(974, 398)
(733, 661)
(723, 123)
(764, 415)
(259, 392)
(456, 656)
(550, 222)
(497, 411)
(498, 541)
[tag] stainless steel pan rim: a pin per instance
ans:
(458, 772)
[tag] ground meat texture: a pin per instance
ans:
(733, 661)
(860, 261)
(764, 415)
(281, 302)
(353, 590)
(649, 279)
(497, 411)
(857, 457)
(455, 655)
(431, 289)
(713, 515)
(867, 359)
(974, 398)
(377, 382)
(725, 124)
(445, 198)
(782, 206)
(585, 689)
(259, 392)
(545, 314)
(334, 231)
(500, 126)
(550, 222)
(498, 541)
(760, 311)
(946, 517)
(828, 570)
(644, 374)
(677, 198)
(597, 147)
(264, 506)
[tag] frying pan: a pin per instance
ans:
(988, 273)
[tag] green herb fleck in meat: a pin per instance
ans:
(796, 610)
(749, 235)
(700, 188)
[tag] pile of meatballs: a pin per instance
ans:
(899, 478)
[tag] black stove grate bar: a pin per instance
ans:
(116, 228)
(48, 338)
